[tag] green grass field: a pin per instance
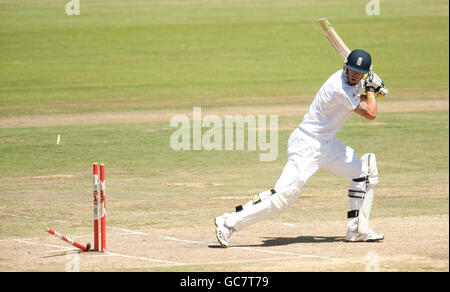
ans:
(109, 80)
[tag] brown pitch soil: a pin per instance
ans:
(410, 244)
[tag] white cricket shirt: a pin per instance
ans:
(332, 106)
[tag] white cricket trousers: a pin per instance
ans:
(307, 154)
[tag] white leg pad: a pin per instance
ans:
(364, 211)
(267, 208)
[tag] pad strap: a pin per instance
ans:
(361, 179)
(352, 213)
(356, 194)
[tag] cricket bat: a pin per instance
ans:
(334, 38)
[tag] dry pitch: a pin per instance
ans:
(410, 245)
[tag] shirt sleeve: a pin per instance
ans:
(349, 100)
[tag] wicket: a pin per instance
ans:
(98, 174)
(96, 185)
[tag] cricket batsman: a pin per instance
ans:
(314, 145)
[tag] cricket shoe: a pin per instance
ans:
(223, 233)
(370, 236)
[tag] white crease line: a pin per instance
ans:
(143, 258)
(222, 262)
(45, 244)
(162, 237)
(246, 261)
(105, 253)
(59, 250)
(183, 240)
(293, 255)
(282, 252)
(235, 247)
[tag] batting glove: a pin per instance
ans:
(375, 84)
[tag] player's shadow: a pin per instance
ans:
(278, 241)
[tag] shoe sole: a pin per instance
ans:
(217, 236)
(221, 244)
(367, 240)
(375, 240)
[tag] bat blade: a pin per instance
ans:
(334, 38)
